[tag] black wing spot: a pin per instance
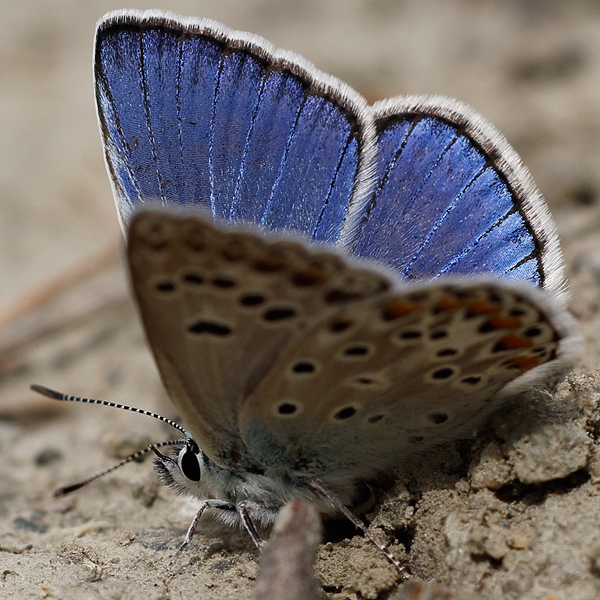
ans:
(279, 314)
(304, 367)
(438, 418)
(443, 373)
(252, 300)
(209, 328)
(164, 286)
(287, 408)
(339, 296)
(339, 326)
(439, 334)
(193, 279)
(532, 332)
(375, 418)
(410, 334)
(357, 350)
(270, 263)
(307, 278)
(223, 282)
(447, 352)
(345, 413)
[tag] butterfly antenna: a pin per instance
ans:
(67, 489)
(44, 391)
(341, 507)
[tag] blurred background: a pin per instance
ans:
(532, 67)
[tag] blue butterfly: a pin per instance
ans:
(328, 288)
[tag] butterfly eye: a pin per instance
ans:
(189, 465)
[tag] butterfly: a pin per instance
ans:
(328, 288)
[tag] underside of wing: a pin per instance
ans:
(384, 378)
(220, 306)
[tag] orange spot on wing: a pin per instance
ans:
(524, 363)
(398, 309)
(477, 308)
(512, 341)
(448, 303)
(504, 323)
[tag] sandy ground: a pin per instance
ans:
(513, 514)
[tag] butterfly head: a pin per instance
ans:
(185, 471)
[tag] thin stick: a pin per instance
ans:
(60, 283)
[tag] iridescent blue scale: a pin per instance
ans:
(190, 118)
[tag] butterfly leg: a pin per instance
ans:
(217, 504)
(339, 506)
(248, 524)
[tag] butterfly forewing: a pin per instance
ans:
(196, 113)
(219, 307)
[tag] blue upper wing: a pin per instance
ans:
(194, 113)
(452, 198)
(191, 112)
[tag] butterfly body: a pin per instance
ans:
(327, 288)
(262, 493)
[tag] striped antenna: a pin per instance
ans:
(67, 489)
(44, 391)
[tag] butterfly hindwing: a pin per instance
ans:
(194, 113)
(452, 198)
(388, 376)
